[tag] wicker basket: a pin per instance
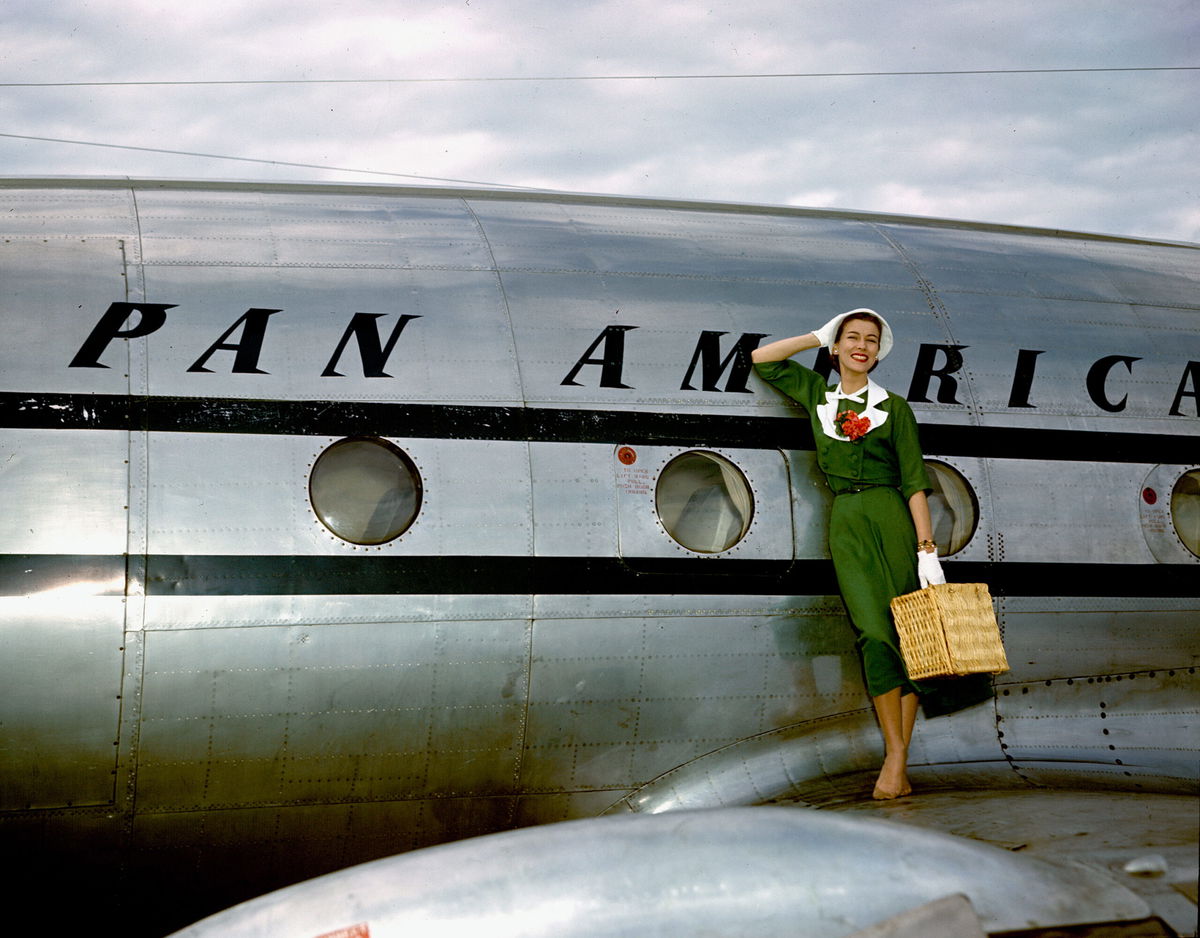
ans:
(949, 630)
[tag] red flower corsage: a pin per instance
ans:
(853, 426)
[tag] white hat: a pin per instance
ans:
(885, 340)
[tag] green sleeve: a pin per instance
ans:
(906, 439)
(791, 378)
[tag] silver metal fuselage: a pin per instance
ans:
(209, 691)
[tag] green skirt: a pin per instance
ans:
(874, 548)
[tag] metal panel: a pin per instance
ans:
(551, 807)
(61, 674)
(239, 717)
(608, 606)
(66, 492)
(633, 240)
(649, 694)
(1086, 512)
(557, 317)
(573, 500)
(248, 494)
(429, 361)
(1031, 264)
(1073, 335)
(580, 269)
(59, 288)
(320, 261)
(1123, 725)
(1094, 636)
(282, 229)
(641, 532)
(42, 215)
(174, 613)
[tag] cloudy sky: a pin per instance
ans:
(538, 93)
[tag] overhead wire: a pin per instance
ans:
(250, 159)
(545, 78)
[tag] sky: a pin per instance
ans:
(539, 93)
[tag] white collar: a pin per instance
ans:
(857, 396)
(827, 412)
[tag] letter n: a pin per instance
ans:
(613, 360)
(712, 366)
(365, 328)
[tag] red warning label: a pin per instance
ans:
(354, 931)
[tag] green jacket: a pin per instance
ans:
(889, 453)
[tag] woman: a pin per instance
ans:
(880, 534)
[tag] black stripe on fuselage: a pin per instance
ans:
(553, 425)
(236, 575)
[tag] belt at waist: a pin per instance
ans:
(863, 486)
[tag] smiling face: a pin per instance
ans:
(856, 349)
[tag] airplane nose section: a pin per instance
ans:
(767, 871)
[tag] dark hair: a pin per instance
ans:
(867, 317)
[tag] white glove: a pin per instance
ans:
(929, 569)
(828, 332)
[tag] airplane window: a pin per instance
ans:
(952, 506)
(704, 502)
(1185, 510)
(365, 491)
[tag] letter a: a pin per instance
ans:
(613, 339)
(247, 351)
(1192, 371)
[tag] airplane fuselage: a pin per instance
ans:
(343, 521)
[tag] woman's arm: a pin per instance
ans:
(785, 348)
(918, 506)
(929, 568)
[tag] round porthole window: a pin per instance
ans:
(1185, 510)
(953, 508)
(366, 491)
(704, 502)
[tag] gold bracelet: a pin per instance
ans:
(922, 545)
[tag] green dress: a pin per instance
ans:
(871, 536)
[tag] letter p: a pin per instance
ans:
(109, 328)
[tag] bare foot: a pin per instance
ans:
(892, 781)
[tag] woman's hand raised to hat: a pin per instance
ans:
(823, 337)
(828, 332)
